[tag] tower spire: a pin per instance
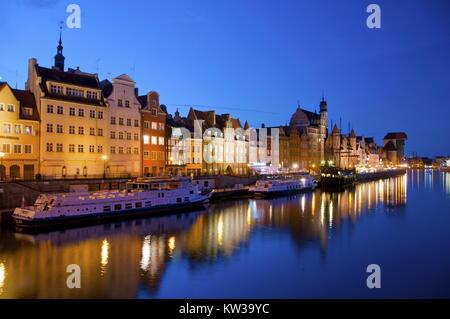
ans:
(59, 57)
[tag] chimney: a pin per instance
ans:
(29, 85)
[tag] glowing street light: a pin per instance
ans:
(295, 166)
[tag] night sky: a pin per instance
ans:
(256, 59)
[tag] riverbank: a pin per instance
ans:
(366, 177)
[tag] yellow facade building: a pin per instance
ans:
(19, 134)
(73, 120)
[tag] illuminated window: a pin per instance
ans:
(146, 139)
(154, 140)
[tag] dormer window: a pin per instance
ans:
(28, 111)
(92, 95)
(56, 89)
(154, 112)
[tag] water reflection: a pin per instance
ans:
(134, 255)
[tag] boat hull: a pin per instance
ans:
(104, 217)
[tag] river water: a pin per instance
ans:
(315, 245)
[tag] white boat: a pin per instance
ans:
(142, 197)
(283, 186)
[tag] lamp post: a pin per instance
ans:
(104, 158)
(1, 165)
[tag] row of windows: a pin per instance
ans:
(154, 125)
(58, 89)
(18, 129)
(72, 129)
(72, 111)
(122, 150)
(155, 155)
(122, 121)
(155, 140)
(123, 135)
(120, 103)
(59, 148)
(17, 149)
(9, 107)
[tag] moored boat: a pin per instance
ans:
(142, 197)
(282, 186)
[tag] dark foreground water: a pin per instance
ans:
(311, 245)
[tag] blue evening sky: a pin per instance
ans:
(255, 59)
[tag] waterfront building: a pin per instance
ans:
(394, 147)
(19, 134)
(73, 119)
(345, 151)
(153, 135)
(124, 127)
(184, 147)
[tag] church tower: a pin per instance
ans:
(59, 57)
(323, 127)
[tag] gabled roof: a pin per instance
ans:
(396, 136)
(26, 100)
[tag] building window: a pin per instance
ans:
(128, 122)
(154, 112)
(71, 148)
(136, 123)
(154, 140)
(28, 149)
(27, 111)
(112, 135)
(128, 150)
(92, 131)
(17, 149)
(136, 136)
(59, 110)
(153, 155)
(127, 103)
(81, 130)
(100, 149)
(81, 112)
(120, 135)
(49, 128)
(18, 129)
(120, 121)
(129, 136)
(92, 95)
(6, 128)
(92, 114)
(91, 148)
(100, 132)
(80, 148)
(113, 120)
(113, 150)
(161, 126)
(59, 128)
(136, 151)
(56, 89)
(100, 115)
(146, 124)
(154, 126)
(2, 107)
(6, 148)
(161, 140)
(146, 155)
(146, 139)
(71, 129)
(72, 111)
(49, 108)
(119, 102)
(28, 129)
(49, 147)
(59, 148)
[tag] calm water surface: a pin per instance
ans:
(311, 245)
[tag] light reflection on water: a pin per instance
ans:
(135, 257)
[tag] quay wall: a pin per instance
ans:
(365, 177)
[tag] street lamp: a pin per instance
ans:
(104, 158)
(1, 166)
